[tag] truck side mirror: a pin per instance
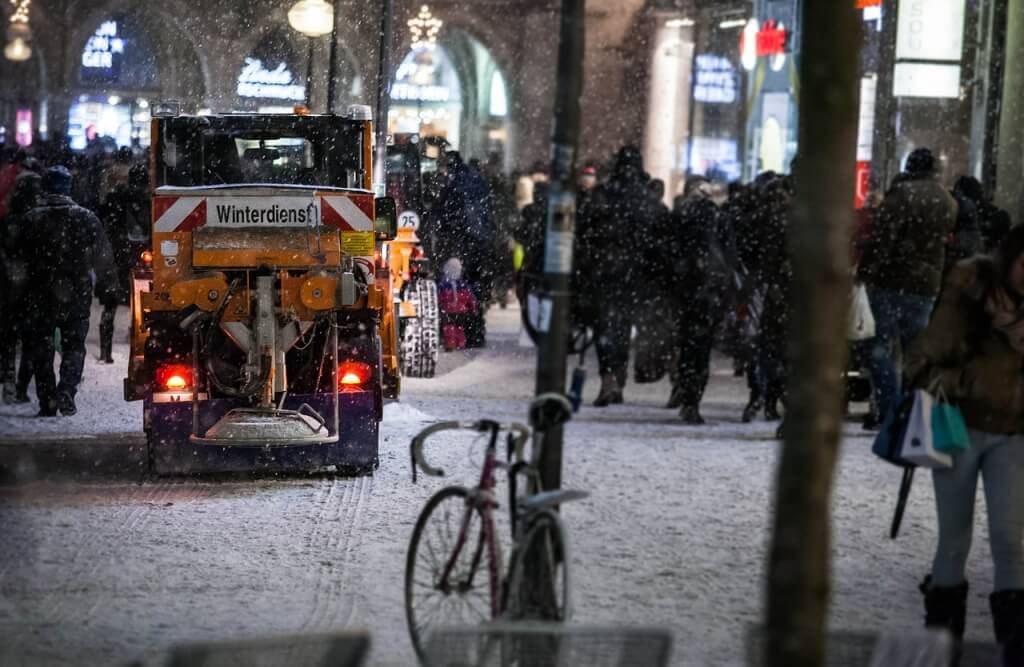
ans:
(385, 222)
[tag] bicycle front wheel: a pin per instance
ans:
(543, 552)
(445, 583)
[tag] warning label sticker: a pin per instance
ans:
(358, 244)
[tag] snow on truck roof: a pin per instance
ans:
(254, 189)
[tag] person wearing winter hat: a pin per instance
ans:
(62, 244)
(902, 267)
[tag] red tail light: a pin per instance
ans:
(353, 375)
(146, 257)
(173, 377)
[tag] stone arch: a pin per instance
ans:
(476, 51)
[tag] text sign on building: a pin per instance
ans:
(277, 84)
(101, 57)
(714, 80)
(930, 30)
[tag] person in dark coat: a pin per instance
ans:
(994, 223)
(467, 231)
(771, 271)
(24, 196)
(902, 267)
(62, 244)
(965, 241)
(616, 214)
(654, 345)
(698, 277)
(126, 219)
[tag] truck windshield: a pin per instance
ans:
(255, 150)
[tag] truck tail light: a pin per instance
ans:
(173, 377)
(146, 257)
(353, 375)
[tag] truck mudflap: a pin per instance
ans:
(171, 451)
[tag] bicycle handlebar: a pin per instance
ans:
(518, 435)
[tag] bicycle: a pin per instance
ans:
(441, 580)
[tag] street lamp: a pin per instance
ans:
(18, 33)
(313, 18)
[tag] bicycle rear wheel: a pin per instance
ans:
(546, 536)
(464, 597)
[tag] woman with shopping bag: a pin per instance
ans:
(973, 352)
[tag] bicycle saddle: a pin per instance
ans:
(548, 499)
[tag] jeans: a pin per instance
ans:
(899, 319)
(999, 458)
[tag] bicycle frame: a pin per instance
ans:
(481, 499)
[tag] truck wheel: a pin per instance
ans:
(420, 335)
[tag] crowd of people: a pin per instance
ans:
(71, 228)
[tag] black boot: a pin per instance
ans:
(946, 607)
(753, 407)
(609, 393)
(66, 404)
(691, 415)
(1008, 621)
(675, 399)
(771, 410)
(105, 351)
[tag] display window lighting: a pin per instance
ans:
(680, 23)
(19, 13)
(729, 24)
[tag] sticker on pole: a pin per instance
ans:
(559, 238)
(539, 312)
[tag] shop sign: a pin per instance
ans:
(277, 84)
(930, 30)
(769, 40)
(864, 4)
(415, 93)
(23, 127)
(101, 57)
(932, 80)
(715, 80)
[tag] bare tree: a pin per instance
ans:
(799, 569)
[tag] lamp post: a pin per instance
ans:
(312, 18)
(18, 33)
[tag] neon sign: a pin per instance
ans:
(101, 48)
(715, 81)
(257, 81)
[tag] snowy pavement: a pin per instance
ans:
(674, 533)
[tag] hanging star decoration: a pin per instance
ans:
(424, 28)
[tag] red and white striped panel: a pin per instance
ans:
(178, 214)
(349, 214)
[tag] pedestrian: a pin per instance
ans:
(966, 240)
(63, 243)
(698, 280)
(973, 348)
(126, 220)
(615, 213)
(772, 274)
(994, 222)
(902, 265)
(468, 232)
(25, 195)
(653, 345)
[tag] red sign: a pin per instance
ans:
(863, 183)
(771, 39)
(861, 4)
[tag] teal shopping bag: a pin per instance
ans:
(949, 432)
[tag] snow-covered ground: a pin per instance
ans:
(674, 533)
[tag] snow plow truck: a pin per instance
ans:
(263, 324)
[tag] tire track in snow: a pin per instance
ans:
(133, 513)
(330, 543)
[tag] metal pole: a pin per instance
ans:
(561, 224)
(309, 75)
(383, 93)
(332, 66)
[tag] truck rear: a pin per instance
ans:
(263, 334)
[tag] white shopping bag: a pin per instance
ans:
(918, 446)
(862, 321)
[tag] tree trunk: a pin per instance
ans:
(798, 577)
